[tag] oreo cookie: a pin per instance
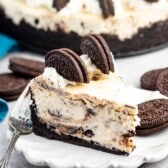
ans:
(153, 115)
(80, 63)
(26, 66)
(148, 79)
(59, 4)
(162, 82)
(11, 85)
(97, 49)
(107, 7)
(68, 64)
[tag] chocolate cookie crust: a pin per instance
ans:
(146, 40)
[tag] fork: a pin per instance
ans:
(18, 126)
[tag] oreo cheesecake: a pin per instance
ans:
(83, 100)
(129, 27)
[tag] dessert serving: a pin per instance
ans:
(83, 100)
(129, 26)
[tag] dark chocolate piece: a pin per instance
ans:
(107, 8)
(153, 113)
(65, 65)
(162, 82)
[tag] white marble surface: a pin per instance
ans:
(130, 68)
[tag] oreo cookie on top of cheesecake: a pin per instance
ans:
(128, 26)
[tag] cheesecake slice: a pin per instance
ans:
(96, 113)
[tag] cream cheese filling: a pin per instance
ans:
(129, 18)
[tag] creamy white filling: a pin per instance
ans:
(129, 18)
(58, 81)
(91, 67)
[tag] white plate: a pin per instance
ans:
(41, 151)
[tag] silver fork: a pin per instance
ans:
(18, 126)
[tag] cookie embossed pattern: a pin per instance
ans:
(154, 116)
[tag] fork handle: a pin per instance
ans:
(5, 159)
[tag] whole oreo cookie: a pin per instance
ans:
(153, 115)
(11, 85)
(107, 7)
(67, 64)
(98, 51)
(162, 82)
(148, 79)
(26, 66)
